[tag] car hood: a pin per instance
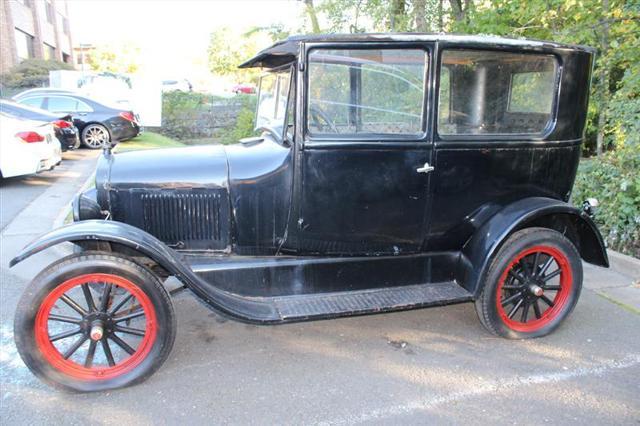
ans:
(172, 168)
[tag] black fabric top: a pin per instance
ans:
(286, 51)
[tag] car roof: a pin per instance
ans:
(287, 50)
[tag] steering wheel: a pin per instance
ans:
(318, 116)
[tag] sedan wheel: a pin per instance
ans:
(95, 136)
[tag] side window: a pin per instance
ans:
(33, 102)
(67, 104)
(489, 92)
(360, 92)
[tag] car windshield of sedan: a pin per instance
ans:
(272, 101)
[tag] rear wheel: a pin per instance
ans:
(95, 136)
(532, 285)
(93, 322)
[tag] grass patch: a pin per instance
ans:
(147, 140)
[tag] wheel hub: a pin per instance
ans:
(536, 290)
(97, 331)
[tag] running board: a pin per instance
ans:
(327, 305)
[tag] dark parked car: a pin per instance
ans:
(393, 172)
(98, 123)
(65, 131)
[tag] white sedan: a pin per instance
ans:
(27, 147)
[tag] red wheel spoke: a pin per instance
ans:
(74, 347)
(129, 316)
(73, 305)
(515, 308)
(121, 304)
(64, 318)
(65, 334)
(107, 352)
(88, 297)
(88, 361)
(104, 300)
(124, 345)
(129, 330)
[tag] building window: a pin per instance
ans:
(66, 58)
(49, 52)
(50, 12)
(24, 45)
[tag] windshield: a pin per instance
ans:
(272, 101)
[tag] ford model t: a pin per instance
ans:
(393, 172)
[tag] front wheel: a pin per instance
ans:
(93, 322)
(532, 285)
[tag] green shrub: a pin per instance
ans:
(243, 128)
(614, 180)
(32, 73)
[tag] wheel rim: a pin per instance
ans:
(534, 288)
(96, 136)
(99, 309)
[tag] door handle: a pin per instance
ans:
(425, 169)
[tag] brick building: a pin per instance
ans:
(34, 29)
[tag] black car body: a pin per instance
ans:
(65, 131)
(97, 123)
(393, 172)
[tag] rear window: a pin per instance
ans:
(490, 92)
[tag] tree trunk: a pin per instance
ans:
(604, 79)
(397, 13)
(420, 11)
(311, 11)
(457, 10)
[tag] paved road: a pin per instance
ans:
(17, 192)
(432, 365)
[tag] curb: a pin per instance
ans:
(624, 264)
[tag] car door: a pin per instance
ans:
(363, 163)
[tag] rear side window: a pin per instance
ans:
(66, 104)
(360, 92)
(490, 92)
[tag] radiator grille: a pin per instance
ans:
(184, 218)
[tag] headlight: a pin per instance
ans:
(86, 207)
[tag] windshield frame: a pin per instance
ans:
(277, 129)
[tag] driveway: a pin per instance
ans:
(423, 366)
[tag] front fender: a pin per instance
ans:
(480, 249)
(250, 309)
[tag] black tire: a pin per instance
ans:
(95, 136)
(120, 367)
(522, 299)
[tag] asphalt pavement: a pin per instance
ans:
(434, 365)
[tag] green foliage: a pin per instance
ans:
(32, 73)
(614, 180)
(147, 140)
(180, 112)
(243, 128)
(115, 58)
(228, 49)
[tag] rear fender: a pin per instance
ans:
(481, 248)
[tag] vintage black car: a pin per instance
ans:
(393, 172)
